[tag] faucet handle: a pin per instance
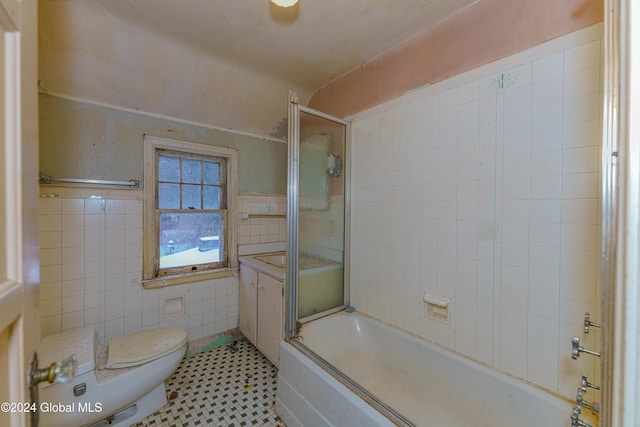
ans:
(586, 384)
(580, 402)
(576, 349)
(577, 409)
(588, 323)
(576, 421)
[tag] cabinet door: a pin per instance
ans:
(269, 316)
(248, 303)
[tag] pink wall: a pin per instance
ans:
(481, 33)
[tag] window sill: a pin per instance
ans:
(180, 279)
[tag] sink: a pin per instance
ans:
(277, 260)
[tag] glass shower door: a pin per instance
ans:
(317, 212)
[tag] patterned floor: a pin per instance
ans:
(229, 386)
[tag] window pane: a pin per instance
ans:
(211, 172)
(168, 196)
(191, 171)
(211, 197)
(191, 196)
(190, 238)
(169, 168)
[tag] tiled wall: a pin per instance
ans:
(262, 218)
(485, 188)
(91, 263)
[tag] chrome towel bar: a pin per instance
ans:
(46, 179)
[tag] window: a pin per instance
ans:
(189, 217)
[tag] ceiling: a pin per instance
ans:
(227, 64)
(305, 46)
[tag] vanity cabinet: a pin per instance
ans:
(261, 311)
(249, 303)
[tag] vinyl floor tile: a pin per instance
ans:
(228, 386)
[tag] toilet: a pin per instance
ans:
(115, 385)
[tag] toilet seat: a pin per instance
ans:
(142, 347)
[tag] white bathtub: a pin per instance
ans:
(425, 384)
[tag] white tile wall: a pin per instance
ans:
(491, 197)
(262, 230)
(91, 264)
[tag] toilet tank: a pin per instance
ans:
(82, 342)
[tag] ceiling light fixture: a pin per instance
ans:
(284, 3)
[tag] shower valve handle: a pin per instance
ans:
(580, 402)
(576, 421)
(588, 323)
(576, 349)
(586, 383)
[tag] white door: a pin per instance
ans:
(19, 271)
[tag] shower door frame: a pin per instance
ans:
(293, 205)
(291, 306)
(620, 396)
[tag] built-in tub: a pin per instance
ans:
(423, 383)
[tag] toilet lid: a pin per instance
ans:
(81, 342)
(142, 347)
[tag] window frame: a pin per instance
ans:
(152, 276)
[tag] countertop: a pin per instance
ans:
(306, 264)
(272, 270)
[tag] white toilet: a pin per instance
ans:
(117, 384)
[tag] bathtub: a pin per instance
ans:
(418, 383)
